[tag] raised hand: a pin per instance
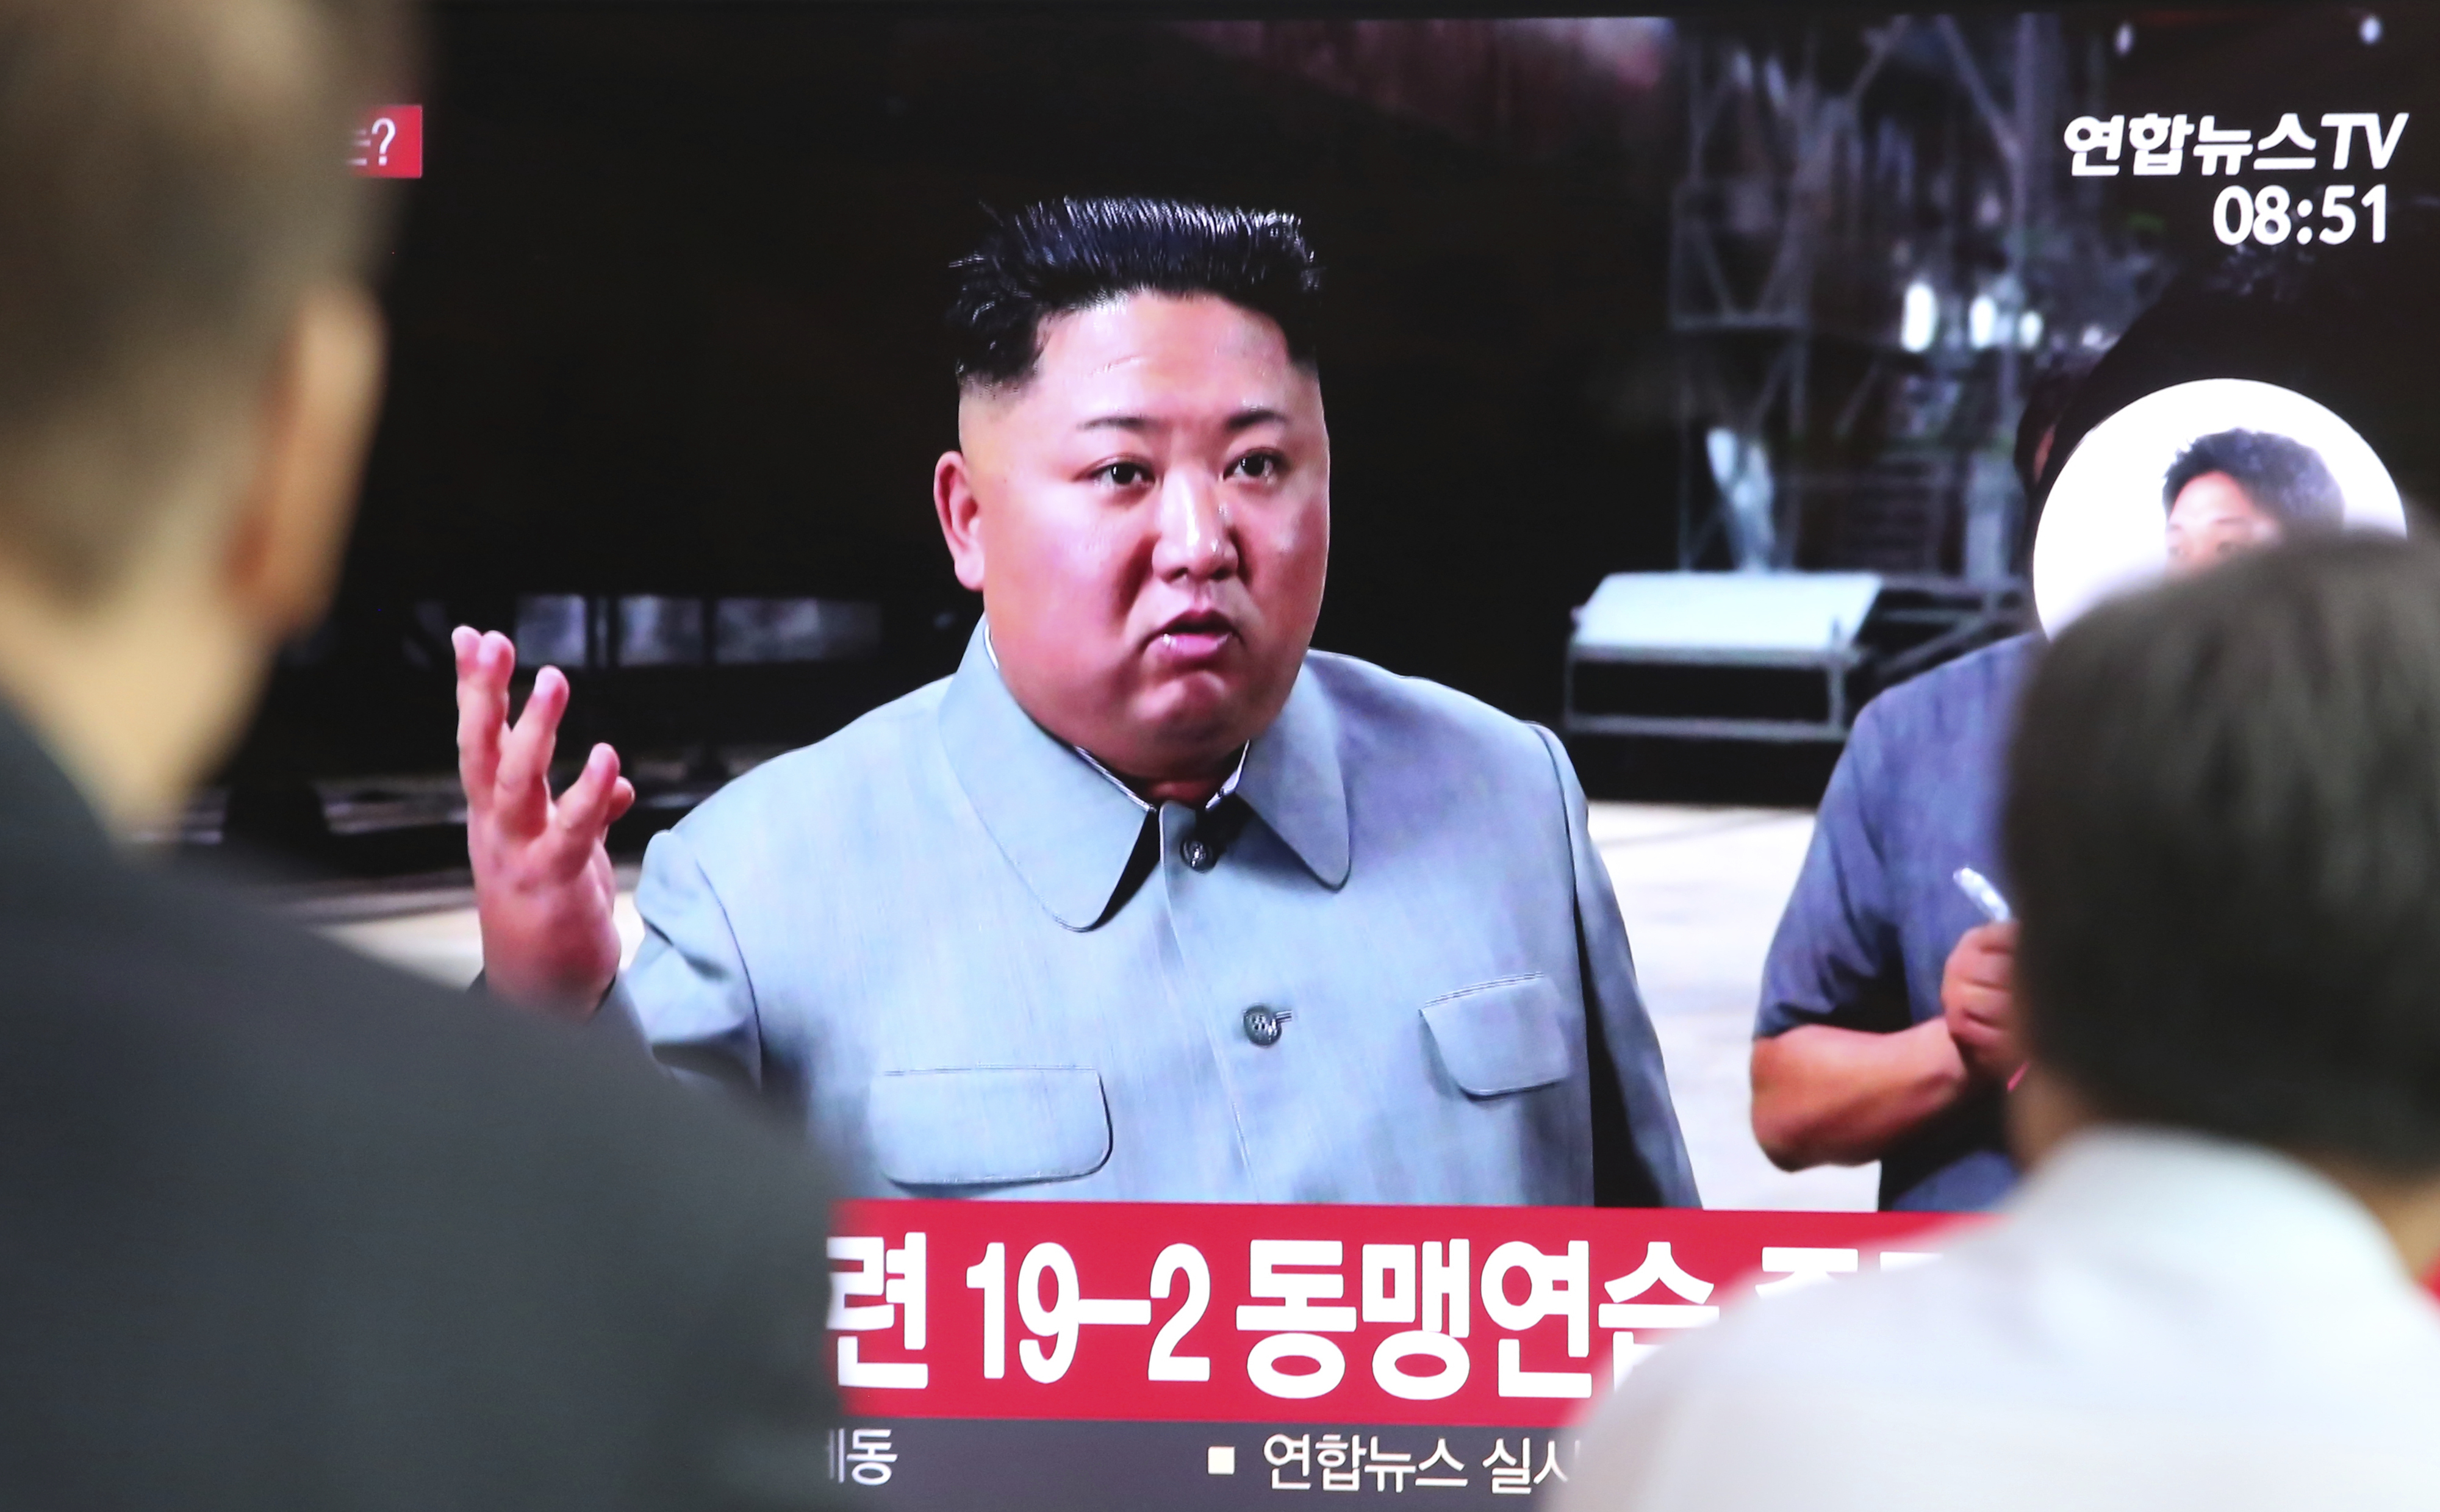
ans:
(543, 883)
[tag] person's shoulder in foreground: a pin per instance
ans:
(2158, 1320)
(279, 1228)
(2206, 1295)
(283, 1227)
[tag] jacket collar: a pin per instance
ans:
(1293, 781)
(38, 800)
(1070, 830)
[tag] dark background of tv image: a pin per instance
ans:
(669, 375)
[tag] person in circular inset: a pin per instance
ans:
(2235, 490)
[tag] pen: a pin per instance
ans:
(1977, 888)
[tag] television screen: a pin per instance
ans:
(1710, 412)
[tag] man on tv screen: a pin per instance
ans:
(1885, 1026)
(1149, 900)
(2235, 490)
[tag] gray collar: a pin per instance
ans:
(1068, 826)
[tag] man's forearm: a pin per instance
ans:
(1825, 1096)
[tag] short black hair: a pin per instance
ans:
(2223, 826)
(2285, 478)
(1065, 255)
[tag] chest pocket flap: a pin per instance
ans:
(989, 1125)
(1503, 1036)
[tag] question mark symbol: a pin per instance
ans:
(386, 130)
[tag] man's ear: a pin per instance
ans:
(316, 414)
(960, 511)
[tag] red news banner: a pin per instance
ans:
(1506, 1317)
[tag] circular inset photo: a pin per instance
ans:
(2196, 472)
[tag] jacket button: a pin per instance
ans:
(1262, 1025)
(1198, 854)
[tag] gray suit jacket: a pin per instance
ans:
(973, 965)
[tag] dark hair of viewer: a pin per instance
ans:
(2284, 478)
(1063, 256)
(2045, 400)
(2224, 829)
(174, 177)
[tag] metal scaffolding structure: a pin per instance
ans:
(1873, 246)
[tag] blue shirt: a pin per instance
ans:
(1388, 967)
(1877, 909)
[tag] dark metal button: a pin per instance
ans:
(1200, 855)
(1262, 1025)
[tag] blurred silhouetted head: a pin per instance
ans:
(2046, 402)
(1063, 256)
(173, 176)
(2224, 826)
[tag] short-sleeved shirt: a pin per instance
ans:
(1878, 910)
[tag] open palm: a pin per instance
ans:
(543, 883)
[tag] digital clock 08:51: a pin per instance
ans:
(2270, 217)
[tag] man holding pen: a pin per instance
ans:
(1886, 1029)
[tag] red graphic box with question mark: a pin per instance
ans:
(389, 143)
